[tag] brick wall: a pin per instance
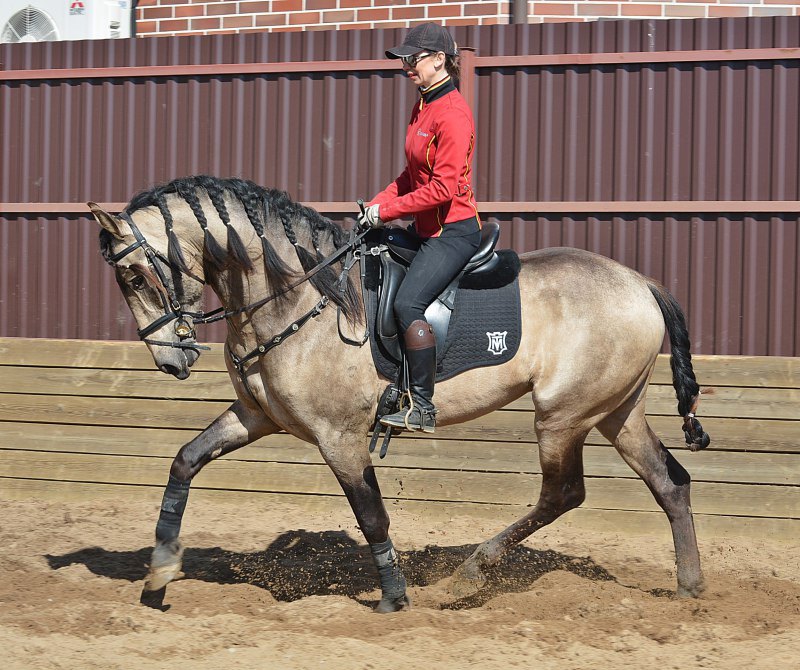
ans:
(178, 17)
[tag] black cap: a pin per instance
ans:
(425, 37)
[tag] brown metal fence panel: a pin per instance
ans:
(584, 148)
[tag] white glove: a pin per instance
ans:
(370, 218)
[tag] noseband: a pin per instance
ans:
(173, 310)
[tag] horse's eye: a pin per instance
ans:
(138, 283)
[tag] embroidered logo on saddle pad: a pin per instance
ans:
(497, 342)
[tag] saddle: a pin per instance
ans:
(396, 249)
(480, 307)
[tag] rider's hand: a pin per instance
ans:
(370, 217)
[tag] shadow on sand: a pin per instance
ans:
(300, 563)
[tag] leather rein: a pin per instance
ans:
(185, 320)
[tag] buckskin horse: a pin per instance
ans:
(591, 331)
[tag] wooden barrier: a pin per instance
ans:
(85, 419)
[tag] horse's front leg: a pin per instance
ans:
(234, 428)
(356, 475)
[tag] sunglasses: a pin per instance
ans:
(412, 61)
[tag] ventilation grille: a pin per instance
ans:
(29, 25)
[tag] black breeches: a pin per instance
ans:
(437, 263)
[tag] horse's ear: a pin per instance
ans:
(111, 223)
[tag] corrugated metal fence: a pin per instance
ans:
(673, 146)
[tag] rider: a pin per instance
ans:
(435, 187)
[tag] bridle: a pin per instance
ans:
(173, 310)
(185, 320)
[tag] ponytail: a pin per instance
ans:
(453, 66)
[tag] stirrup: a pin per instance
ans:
(412, 418)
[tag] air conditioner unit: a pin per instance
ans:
(48, 20)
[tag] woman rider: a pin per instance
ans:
(435, 188)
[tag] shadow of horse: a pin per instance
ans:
(299, 564)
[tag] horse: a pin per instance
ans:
(591, 331)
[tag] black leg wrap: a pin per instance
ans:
(393, 583)
(172, 507)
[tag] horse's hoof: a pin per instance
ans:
(691, 591)
(159, 577)
(467, 580)
(386, 606)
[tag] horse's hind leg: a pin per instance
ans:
(561, 458)
(234, 428)
(669, 483)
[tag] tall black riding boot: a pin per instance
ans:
(421, 357)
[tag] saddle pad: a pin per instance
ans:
(485, 329)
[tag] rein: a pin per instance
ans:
(184, 328)
(220, 313)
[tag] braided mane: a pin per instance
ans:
(265, 208)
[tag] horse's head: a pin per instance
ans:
(162, 285)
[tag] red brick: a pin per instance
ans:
(147, 3)
(287, 29)
(408, 13)
(173, 25)
(395, 24)
(780, 2)
(271, 19)
(722, 12)
(386, 3)
(218, 9)
(253, 7)
(436, 11)
(237, 22)
(597, 10)
(345, 16)
(495, 21)
(636, 9)
(189, 10)
(685, 11)
(303, 17)
(157, 13)
(554, 9)
(773, 11)
(549, 19)
(373, 14)
(320, 4)
(355, 26)
(146, 27)
(206, 24)
(461, 22)
(346, 4)
(287, 5)
(481, 9)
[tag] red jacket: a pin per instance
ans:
(435, 186)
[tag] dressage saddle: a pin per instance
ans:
(401, 246)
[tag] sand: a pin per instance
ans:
(280, 586)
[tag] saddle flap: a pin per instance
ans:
(392, 276)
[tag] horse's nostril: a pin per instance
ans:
(168, 369)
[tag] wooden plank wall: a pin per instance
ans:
(86, 419)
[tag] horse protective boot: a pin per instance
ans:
(419, 414)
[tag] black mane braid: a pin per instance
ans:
(264, 208)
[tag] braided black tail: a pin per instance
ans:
(683, 379)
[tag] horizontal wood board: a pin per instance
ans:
(83, 419)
